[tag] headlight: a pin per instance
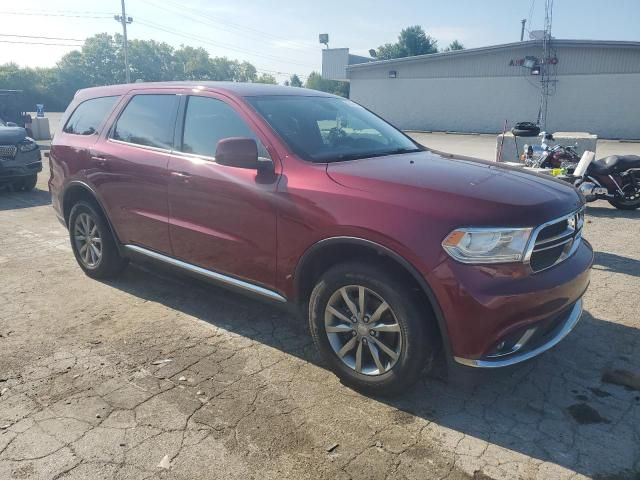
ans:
(27, 145)
(487, 245)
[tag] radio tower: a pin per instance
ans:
(547, 70)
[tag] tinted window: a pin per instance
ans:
(89, 115)
(148, 120)
(208, 121)
(326, 129)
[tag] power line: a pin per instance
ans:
(218, 44)
(101, 15)
(225, 25)
(41, 38)
(52, 14)
(42, 43)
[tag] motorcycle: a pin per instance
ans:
(615, 178)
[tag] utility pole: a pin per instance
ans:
(524, 20)
(124, 20)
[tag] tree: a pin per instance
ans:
(101, 57)
(151, 61)
(100, 61)
(245, 72)
(315, 81)
(295, 81)
(455, 45)
(266, 78)
(192, 63)
(411, 41)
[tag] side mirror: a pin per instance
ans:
(237, 152)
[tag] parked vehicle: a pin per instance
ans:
(11, 111)
(20, 159)
(396, 252)
(615, 178)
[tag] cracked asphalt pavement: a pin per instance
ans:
(155, 376)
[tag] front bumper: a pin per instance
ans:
(500, 315)
(525, 349)
(24, 164)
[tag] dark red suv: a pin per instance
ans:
(396, 251)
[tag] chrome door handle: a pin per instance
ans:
(100, 161)
(181, 175)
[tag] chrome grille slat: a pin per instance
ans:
(567, 233)
(555, 245)
(551, 250)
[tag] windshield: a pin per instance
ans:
(327, 129)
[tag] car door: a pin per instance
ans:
(222, 218)
(131, 168)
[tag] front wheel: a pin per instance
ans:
(30, 183)
(369, 328)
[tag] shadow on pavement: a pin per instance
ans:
(616, 263)
(554, 408)
(601, 211)
(15, 200)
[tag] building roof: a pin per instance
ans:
(504, 46)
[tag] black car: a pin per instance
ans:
(20, 159)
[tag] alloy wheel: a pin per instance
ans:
(363, 330)
(87, 240)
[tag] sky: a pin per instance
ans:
(281, 37)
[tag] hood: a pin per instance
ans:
(11, 135)
(466, 190)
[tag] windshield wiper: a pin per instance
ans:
(358, 156)
(398, 151)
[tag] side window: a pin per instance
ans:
(88, 116)
(207, 121)
(148, 120)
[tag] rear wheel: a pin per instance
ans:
(93, 243)
(631, 199)
(370, 329)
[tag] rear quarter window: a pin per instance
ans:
(89, 115)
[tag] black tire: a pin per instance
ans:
(29, 183)
(525, 133)
(625, 204)
(110, 262)
(525, 129)
(415, 325)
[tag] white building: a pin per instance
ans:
(595, 87)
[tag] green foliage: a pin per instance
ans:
(100, 61)
(455, 45)
(295, 81)
(411, 41)
(316, 82)
(266, 78)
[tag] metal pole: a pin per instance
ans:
(524, 20)
(123, 20)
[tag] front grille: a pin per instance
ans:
(8, 151)
(555, 241)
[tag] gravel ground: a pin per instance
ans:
(152, 376)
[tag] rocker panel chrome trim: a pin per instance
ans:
(215, 276)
